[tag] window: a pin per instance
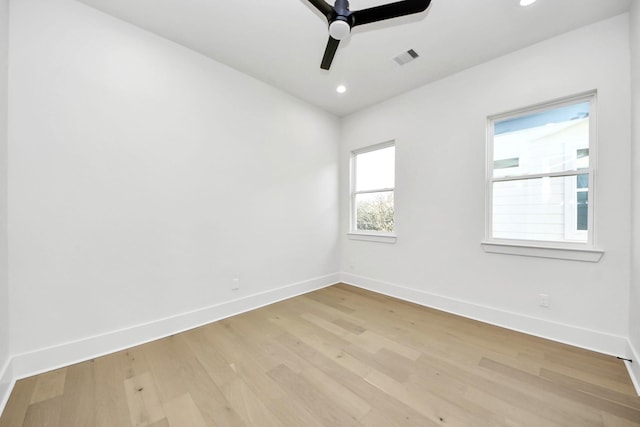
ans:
(372, 190)
(540, 175)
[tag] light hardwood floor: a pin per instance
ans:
(339, 356)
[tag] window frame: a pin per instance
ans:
(369, 235)
(581, 251)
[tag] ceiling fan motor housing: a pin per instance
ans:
(341, 8)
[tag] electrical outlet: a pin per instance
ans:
(235, 284)
(543, 300)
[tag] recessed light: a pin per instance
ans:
(527, 2)
(341, 89)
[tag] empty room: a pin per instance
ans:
(319, 213)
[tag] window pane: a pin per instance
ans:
(554, 140)
(374, 212)
(582, 158)
(539, 209)
(582, 181)
(506, 163)
(583, 210)
(375, 169)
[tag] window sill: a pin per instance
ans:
(382, 238)
(573, 254)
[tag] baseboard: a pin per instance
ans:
(7, 382)
(634, 366)
(46, 359)
(568, 334)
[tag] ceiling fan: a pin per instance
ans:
(341, 20)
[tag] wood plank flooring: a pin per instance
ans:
(339, 356)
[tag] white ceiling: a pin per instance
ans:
(281, 42)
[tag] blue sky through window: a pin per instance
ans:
(557, 115)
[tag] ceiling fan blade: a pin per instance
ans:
(322, 6)
(329, 53)
(388, 11)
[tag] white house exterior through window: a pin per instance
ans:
(541, 175)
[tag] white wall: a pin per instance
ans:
(439, 131)
(4, 286)
(634, 300)
(144, 177)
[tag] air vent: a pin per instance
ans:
(406, 57)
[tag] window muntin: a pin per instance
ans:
(540, 174)
(372, 189)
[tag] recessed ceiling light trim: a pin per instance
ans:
(527, 2)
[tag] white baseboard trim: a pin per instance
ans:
(7, 382)
(46, 359)
(634, 366)
(568, 334)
